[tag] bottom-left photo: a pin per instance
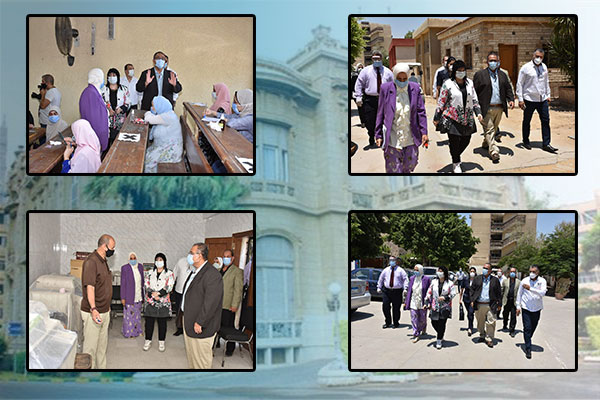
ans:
(141, 291)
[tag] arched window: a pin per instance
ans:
(274, 278)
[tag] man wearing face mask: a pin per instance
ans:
(495, 96)
(435, 76)
(366, 92)
(533, 91)
(392, 283)
(465, 297)
(92, 107)
(444, 74)
(96, 280)
(233, 287)
(131, 81)
(486, 298)
(158, 81)
(510, 289)
(530, 301)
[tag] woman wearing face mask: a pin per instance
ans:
(439, 300)
(55, 122)
(218, 263)
(401, 124)
(82, 155)
(167, 145)
(93, 108)
(242, 118)
(132, 278)
(116, 97)
(456, 111)
(221, 99)
(418, 285)
(465, 297)
(158, 286)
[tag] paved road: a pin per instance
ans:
(372, 347)
(513, 157)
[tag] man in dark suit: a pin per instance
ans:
(486, 299)
(201, 306)
(158, 81)
(495, 95)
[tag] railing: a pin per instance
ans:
(281, 188)
(291, 329)
(362, 200)
(514, 220)
(495, 243)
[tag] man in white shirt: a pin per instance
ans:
(50, 96)
(435, 76)
(130, 81)
(533, 92)
(530, 301)
(181, 272)
(392, 282)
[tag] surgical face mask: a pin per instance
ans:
(493, 65)
(190, 259)
(472, 274)
(532, 275)
(512, 274)
(216, 265)
(461, 74)
(440, 274)
(537, 60)
(226, 260)
(159, 264)
(214, 95)
(131, 72)
(160, 63)
(393, 263)
(109, 252)
(235, 108)
(112, 79)
(54, 118)
(133, 262)
(377, 64)
(484, 271)
(401, 84)
(499, 274)
(445, 63)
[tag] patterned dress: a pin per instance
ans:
(132, 314)
(401, 155)
(167, 146)
(162, 283)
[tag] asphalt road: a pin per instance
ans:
(372, 347)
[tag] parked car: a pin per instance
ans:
(370, 275)
(359, 294)
(430, 272)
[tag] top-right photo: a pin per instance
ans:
(485, 94)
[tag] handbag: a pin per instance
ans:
(461, 314)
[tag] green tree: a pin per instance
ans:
(385, 58)
(409, 34)
(169, 192)
(367, 233)
(535, 202)
(558, 254)
(434, 238)
(590, 247)
(526, 252)
(563, 46)
(357, 42)
(3, 346)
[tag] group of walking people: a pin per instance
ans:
(482, 295)
(392, 108)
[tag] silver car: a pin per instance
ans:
(360, 296)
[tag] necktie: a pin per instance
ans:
(392, 279)
(378, 79)
(184, 285)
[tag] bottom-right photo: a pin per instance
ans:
(460, 291)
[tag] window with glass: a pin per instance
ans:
(274, 152)
(275, 277)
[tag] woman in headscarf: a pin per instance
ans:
(439, 300)
(132, 296)
(55, 122)
(158, 285)
(218, 262)
(116, 97)
(167, 146)
(401, 124)
(456, 111)
(415, 302)
(86, 159)
(92, 107)
(222, 99)
(242, 118)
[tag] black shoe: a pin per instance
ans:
(178, 332)
(528, 353)
(527, 146)
(504, 329)
(496, 161)
(469, 332)
(385, 326)
(481, 340)
(490, 344)
(497, 139)
(549, 149)
(396, 326)
(370, 146)
(513, 334)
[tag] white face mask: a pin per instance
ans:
(131, 72)
(440, 274)
(159, 264)
(537, 60)
(461, 74)
(472, 274)
(112, 79)
(532, 275)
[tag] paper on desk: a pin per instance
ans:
(55, 143)
(210, 119)
(129, 137)
(215, 126)
(248, 163)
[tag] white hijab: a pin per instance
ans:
(401, 67)
(96, 78)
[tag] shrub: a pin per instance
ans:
(593, 327)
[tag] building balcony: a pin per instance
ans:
(515, 220)
(273, 331)
(496, 227)
(496, 244)
(278, 188)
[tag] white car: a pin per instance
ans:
(360, 296)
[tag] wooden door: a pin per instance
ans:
(509, 60)
(216, 247)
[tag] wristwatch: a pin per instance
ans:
(93, 308)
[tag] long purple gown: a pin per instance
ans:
(93, 109)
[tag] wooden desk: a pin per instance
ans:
(46, 158)
(227, 144)
(35, 133)
(127, 157)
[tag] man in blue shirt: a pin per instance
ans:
(486, 300)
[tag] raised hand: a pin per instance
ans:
(173, 78)
(149, 78)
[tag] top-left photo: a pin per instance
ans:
(137, 95)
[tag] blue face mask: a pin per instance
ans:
(133, 262)
(512, 274)
(226, 260)
(190, 259)
(102, 85)
(160, 63)
(493, 65)
(235, 108)
(401, 84)
(54, 118)
(377, 64)
(485, 271)
(393, 263)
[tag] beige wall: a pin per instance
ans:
(202, 51)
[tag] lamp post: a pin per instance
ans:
(333, 304)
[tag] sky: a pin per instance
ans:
(545, 221)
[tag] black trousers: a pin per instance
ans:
(470, 314)
(162, 327)
(370, 115)
(509, 310)
(228, 319)
(361, 115)
(176, 298)
(530, 322)
(458, 144)
(440, 327)
(393, 298)
(542, 108)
